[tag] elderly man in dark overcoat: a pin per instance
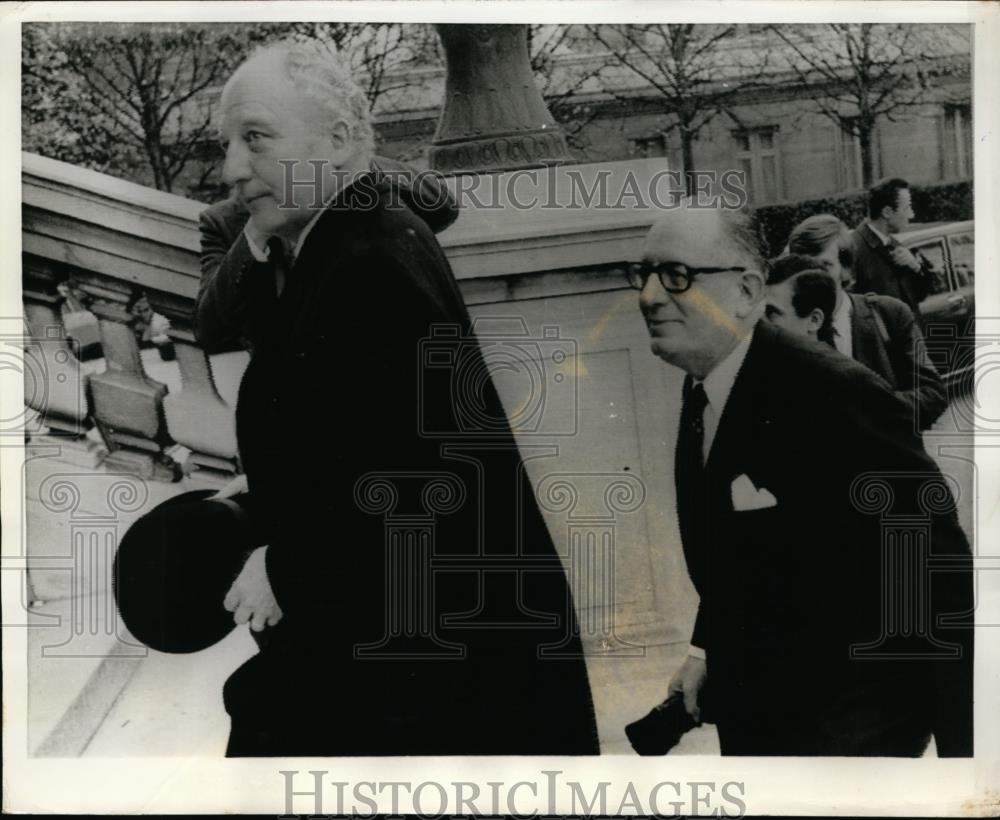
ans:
(411, 596)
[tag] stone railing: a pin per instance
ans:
(113, 241)
(545, 281)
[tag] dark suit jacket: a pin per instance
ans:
(901, 359)
(335, 390)
(875, 272)
(785, 591)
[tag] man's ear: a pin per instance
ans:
(753, 288)
(341, 142)
(815, 319)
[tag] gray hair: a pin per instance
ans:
(321, 75)
(742, 228)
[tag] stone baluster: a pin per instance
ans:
(127, 404)
(198, 417)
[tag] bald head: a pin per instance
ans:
(320, 79)
(718, 250)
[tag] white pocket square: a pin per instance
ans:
(747, 497)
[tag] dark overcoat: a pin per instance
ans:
(886, 338)
(875, 271)
(425, 608)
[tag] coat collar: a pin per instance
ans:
(871, 239)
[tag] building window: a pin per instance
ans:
(759, 159)
(851, 175)
(957, 143)
(644, 147)
(659, 145)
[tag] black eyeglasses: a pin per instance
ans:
(675, 277)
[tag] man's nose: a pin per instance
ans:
(236, 167)
(652, 293)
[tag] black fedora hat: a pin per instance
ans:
(174, 567)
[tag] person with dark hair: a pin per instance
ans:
(879, 331)
(150, 327)
(801, 297)
(775, 433)
(881, 264)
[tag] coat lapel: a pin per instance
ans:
(861, 328)
(869, 347)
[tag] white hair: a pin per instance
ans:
(320, 74)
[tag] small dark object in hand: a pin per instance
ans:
(662, 728)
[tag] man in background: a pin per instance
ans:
(881, 264)
(877, 330)
(801, 297)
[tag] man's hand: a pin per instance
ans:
(250, 597)
(235, 487)
(902, 257)
(688, 680)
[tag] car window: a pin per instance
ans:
(963, 257)
(933, 253)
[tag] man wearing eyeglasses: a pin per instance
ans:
(774, 433)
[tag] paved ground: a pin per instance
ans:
(93, 692)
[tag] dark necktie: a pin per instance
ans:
(278, 256)
(689, 464)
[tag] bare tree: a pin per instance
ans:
(132, 97)
(699, 71)
(858, 73)
(567, 74)
(378, 54)
(138, 99)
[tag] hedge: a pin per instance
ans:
(950, 202)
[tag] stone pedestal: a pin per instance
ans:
(494, 117)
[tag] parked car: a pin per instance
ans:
(949, 311)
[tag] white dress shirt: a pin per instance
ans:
(262, 254)
(718, 385)
(842, 335)
(885, 239)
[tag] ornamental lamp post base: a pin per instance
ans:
(494, 118)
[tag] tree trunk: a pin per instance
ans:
(687, 159)
(865, 141)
